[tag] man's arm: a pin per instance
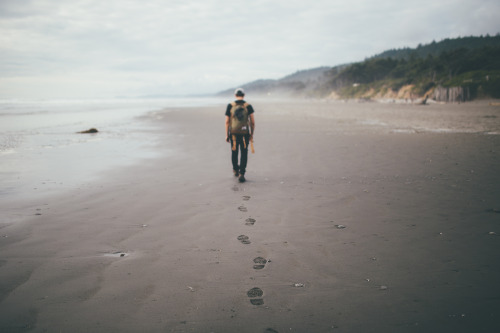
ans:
(227, 128)
(252, 125)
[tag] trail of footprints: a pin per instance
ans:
(254, 294)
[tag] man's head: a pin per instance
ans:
(239, 93)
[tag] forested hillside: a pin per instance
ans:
(457, 69)
(471, 64)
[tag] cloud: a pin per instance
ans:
(89, 47)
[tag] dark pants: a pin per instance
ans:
(240, 147)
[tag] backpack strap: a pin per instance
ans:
(233, 104)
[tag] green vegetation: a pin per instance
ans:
(446, 45)
(472, 63)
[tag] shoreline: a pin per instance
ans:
(362, 228)
(44, 153)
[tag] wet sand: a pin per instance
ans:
(354, 218)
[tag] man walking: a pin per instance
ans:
(240, 126)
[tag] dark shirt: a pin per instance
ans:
(229, 106)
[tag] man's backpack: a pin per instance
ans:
(239, 119)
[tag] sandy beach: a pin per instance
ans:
(355, 217)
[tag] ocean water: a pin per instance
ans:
(41, 151)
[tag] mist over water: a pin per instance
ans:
(40, 149)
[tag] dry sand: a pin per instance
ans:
(355, 217)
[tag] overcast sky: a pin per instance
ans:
(106, 48)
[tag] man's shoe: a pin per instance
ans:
(242, 178)
(236, 173)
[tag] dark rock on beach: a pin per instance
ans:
(89, 131)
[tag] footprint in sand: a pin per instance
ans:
(249, 221)
(246, 197)
(254, 294)
(244, 239)
(260, 263)
(242, 209)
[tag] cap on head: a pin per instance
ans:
(239, 92)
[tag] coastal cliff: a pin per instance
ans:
(407, 94)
